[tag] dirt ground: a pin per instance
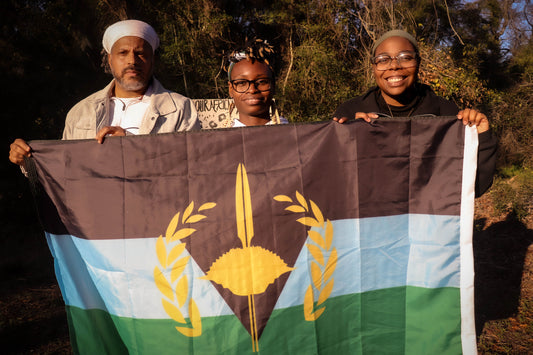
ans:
(503, 263)
(33, 318)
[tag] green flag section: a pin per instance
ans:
(313, 239)
(431, 329)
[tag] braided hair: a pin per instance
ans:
(256, 49)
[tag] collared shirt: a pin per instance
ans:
(129, 113)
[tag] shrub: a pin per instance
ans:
(513, 192)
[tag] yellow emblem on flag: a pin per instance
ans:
(245, 271)
(175, 290)
(323, 253)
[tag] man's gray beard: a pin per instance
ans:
(131, 85)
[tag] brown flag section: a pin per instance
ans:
(101, 191)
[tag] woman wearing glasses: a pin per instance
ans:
(395, 65)
(252, 87)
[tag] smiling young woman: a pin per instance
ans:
(252, 86)
(395, 68)
(395, 64)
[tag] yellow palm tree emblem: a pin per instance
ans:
(246, 271)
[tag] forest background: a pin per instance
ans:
(476, 53)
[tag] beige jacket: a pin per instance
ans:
(168, 112)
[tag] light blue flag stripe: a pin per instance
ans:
(116, 275)
(414, 250)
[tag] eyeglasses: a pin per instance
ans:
(404, 60)
(242, 85)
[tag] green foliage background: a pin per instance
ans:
(477, 53)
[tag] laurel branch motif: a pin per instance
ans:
(321, 249)
(175, 289)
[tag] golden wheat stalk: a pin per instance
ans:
(245, 227)
(169, 250)
(321, 249)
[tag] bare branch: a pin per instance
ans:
(451, 24)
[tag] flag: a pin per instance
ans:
(320, 238)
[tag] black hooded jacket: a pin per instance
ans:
(426, 102)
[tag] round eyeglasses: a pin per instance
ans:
(404, 60)
(242, 85)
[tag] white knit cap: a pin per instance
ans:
(129, 28)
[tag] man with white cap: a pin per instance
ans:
(134, 102)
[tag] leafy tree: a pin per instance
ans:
(323, 50)
(52, 62)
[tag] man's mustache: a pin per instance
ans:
(131, 67)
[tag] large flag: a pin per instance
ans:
(293, 239)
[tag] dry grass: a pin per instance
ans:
(32, 312)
